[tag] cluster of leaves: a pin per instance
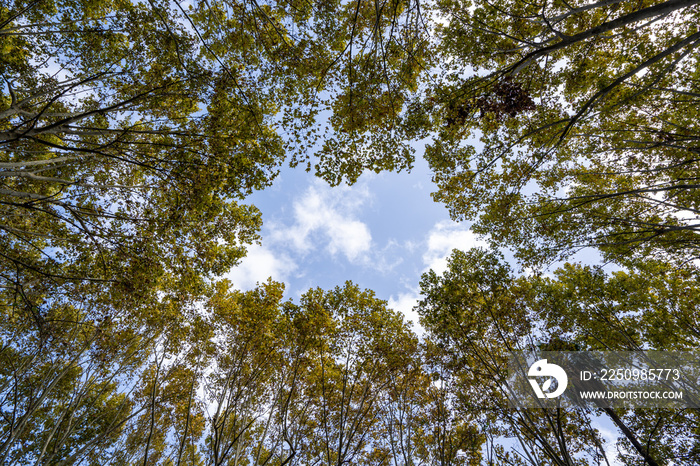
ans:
(592, 144)
(506, 99)
(131, 132)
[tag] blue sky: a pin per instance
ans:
(382, 233)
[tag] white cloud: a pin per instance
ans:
(405, 304)
(259, 264)
(328, 216)
(443, 238)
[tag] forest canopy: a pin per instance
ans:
(132, 134)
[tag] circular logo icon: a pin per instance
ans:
(554, 373)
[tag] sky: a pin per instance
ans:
(381, 233)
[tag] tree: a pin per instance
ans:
(478, 311)
(66, 381)
(256, 370)
(119, 168)
(475, 315)
(587, 117)
(450, 434)
(365, 347)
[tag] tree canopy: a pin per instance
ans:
(478, 311)
(586, 113)
(133, 132)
